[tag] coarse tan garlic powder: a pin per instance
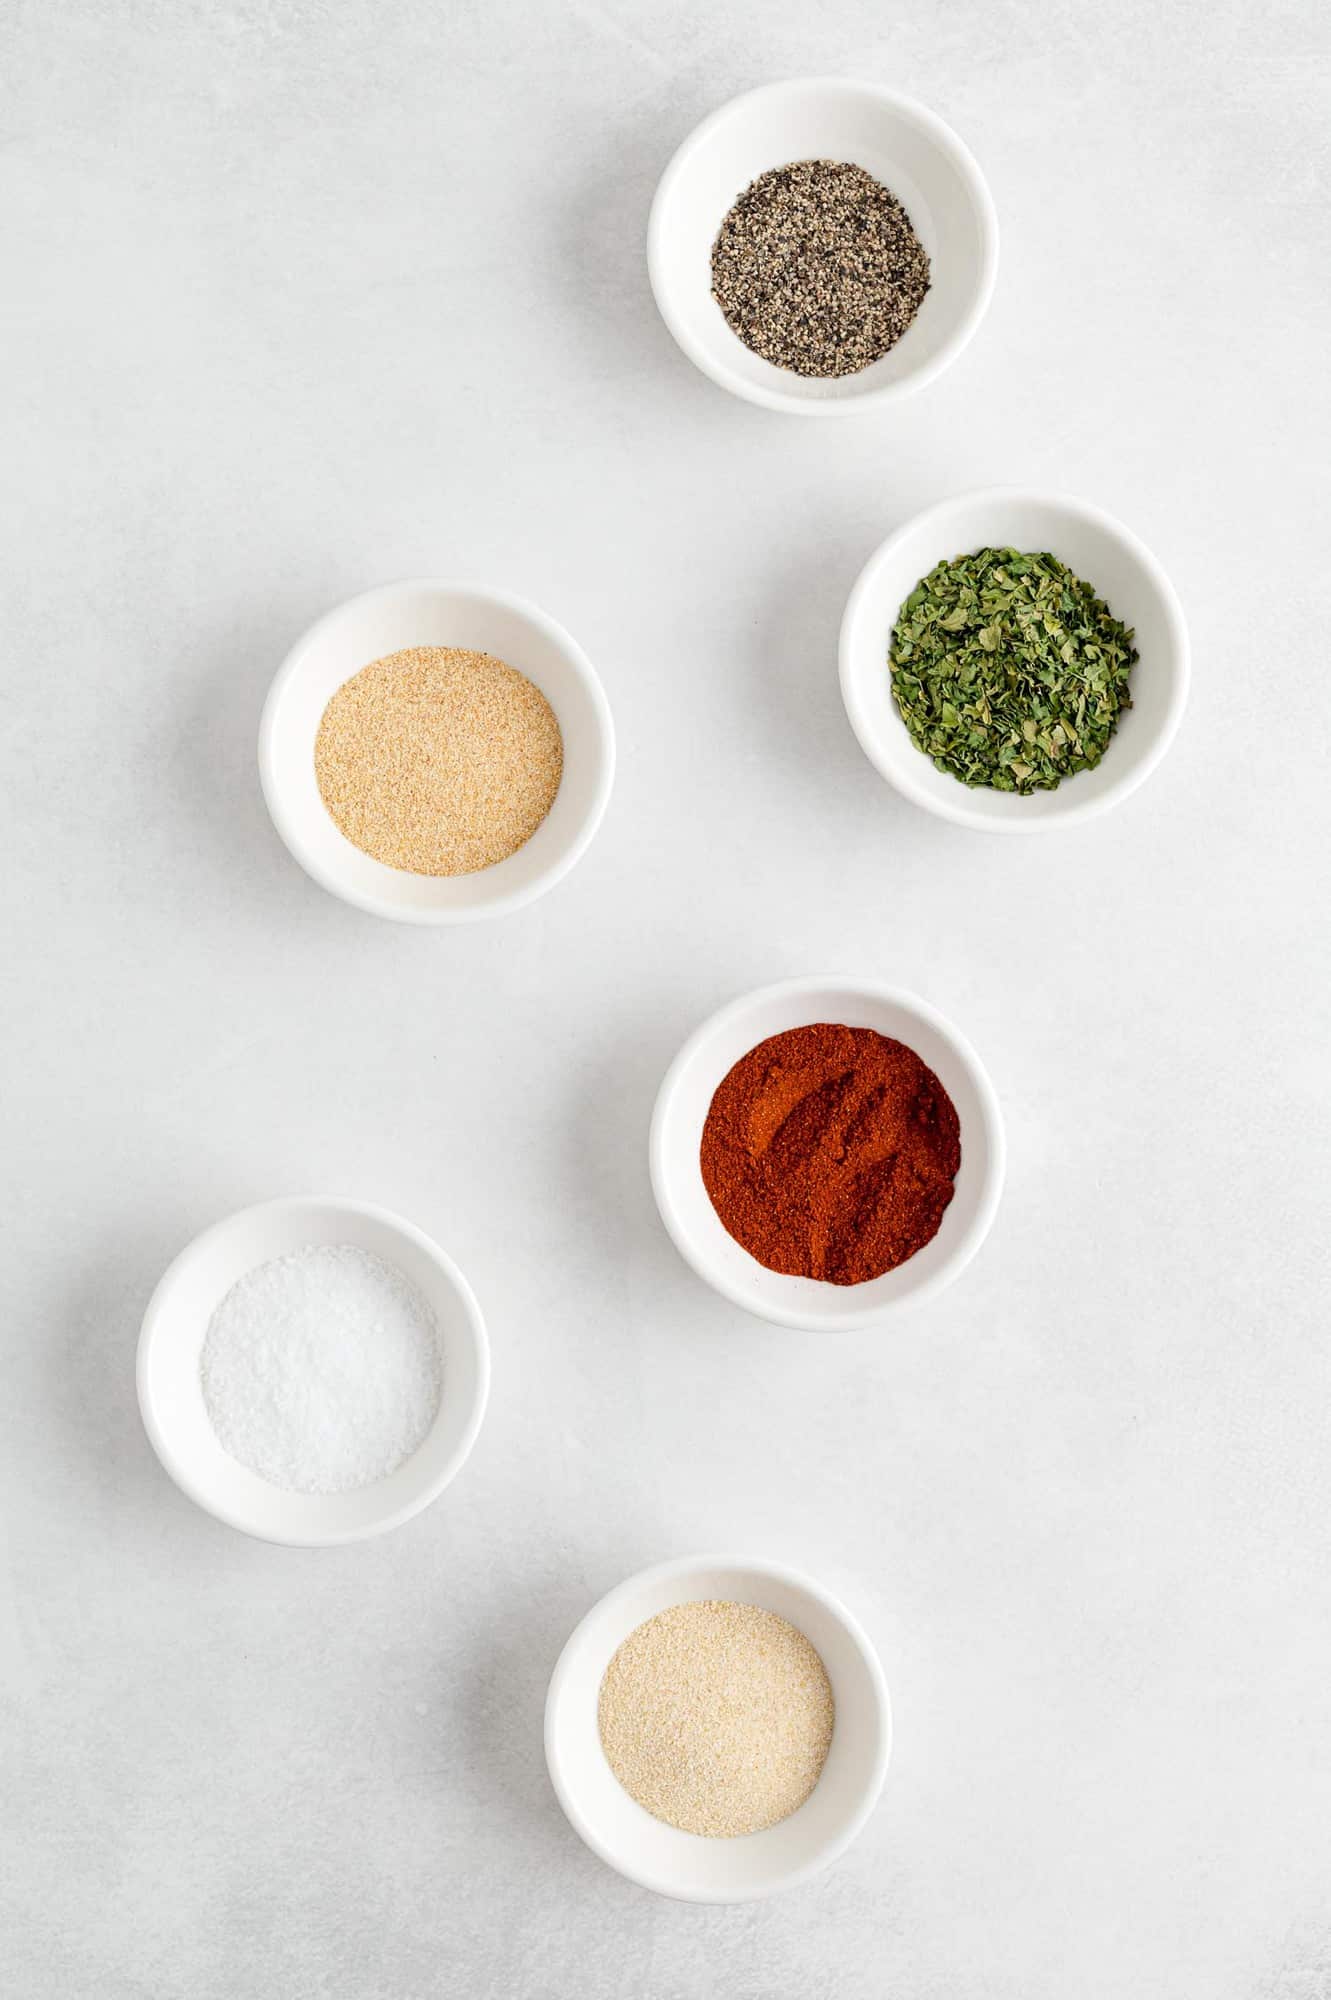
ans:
(438, 761)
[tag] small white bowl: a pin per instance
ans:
(434, 614)
(912, 152)
(171, 1390)
(681, 1112)
(1104, 554)
(687, 1865)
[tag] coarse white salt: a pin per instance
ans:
(321, 1370)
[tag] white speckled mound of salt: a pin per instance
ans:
(321, 1370)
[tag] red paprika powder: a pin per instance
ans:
(830, 1153)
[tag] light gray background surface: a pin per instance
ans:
(301, 298)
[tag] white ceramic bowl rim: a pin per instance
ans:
(963, 811)
(287, 823)
(791, 401)
(665, 1573)
(803, 1316)
(177, 1464)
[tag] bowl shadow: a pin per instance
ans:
(501, 1711)
(795, 698)
(216, 770)
(91, 1376)
(603, 280)
(606, 1153)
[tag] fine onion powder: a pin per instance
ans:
(717, 1717)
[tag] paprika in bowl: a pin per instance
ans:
(911, 1233)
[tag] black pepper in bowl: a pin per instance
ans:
(817, 268)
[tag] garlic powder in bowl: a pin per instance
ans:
(490, 758)
(439, 760)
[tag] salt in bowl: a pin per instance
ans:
(170, 1388)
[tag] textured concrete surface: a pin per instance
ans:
(304, 297)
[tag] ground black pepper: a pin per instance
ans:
(817, 268)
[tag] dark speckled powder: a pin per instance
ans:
(818, 269)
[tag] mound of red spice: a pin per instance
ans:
(830, 1153)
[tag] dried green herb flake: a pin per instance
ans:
(1009, 671)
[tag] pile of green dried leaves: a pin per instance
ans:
(1009, 671)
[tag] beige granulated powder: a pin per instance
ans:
(438, 761)
(717, 1717)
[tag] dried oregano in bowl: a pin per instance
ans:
(1009, 671)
